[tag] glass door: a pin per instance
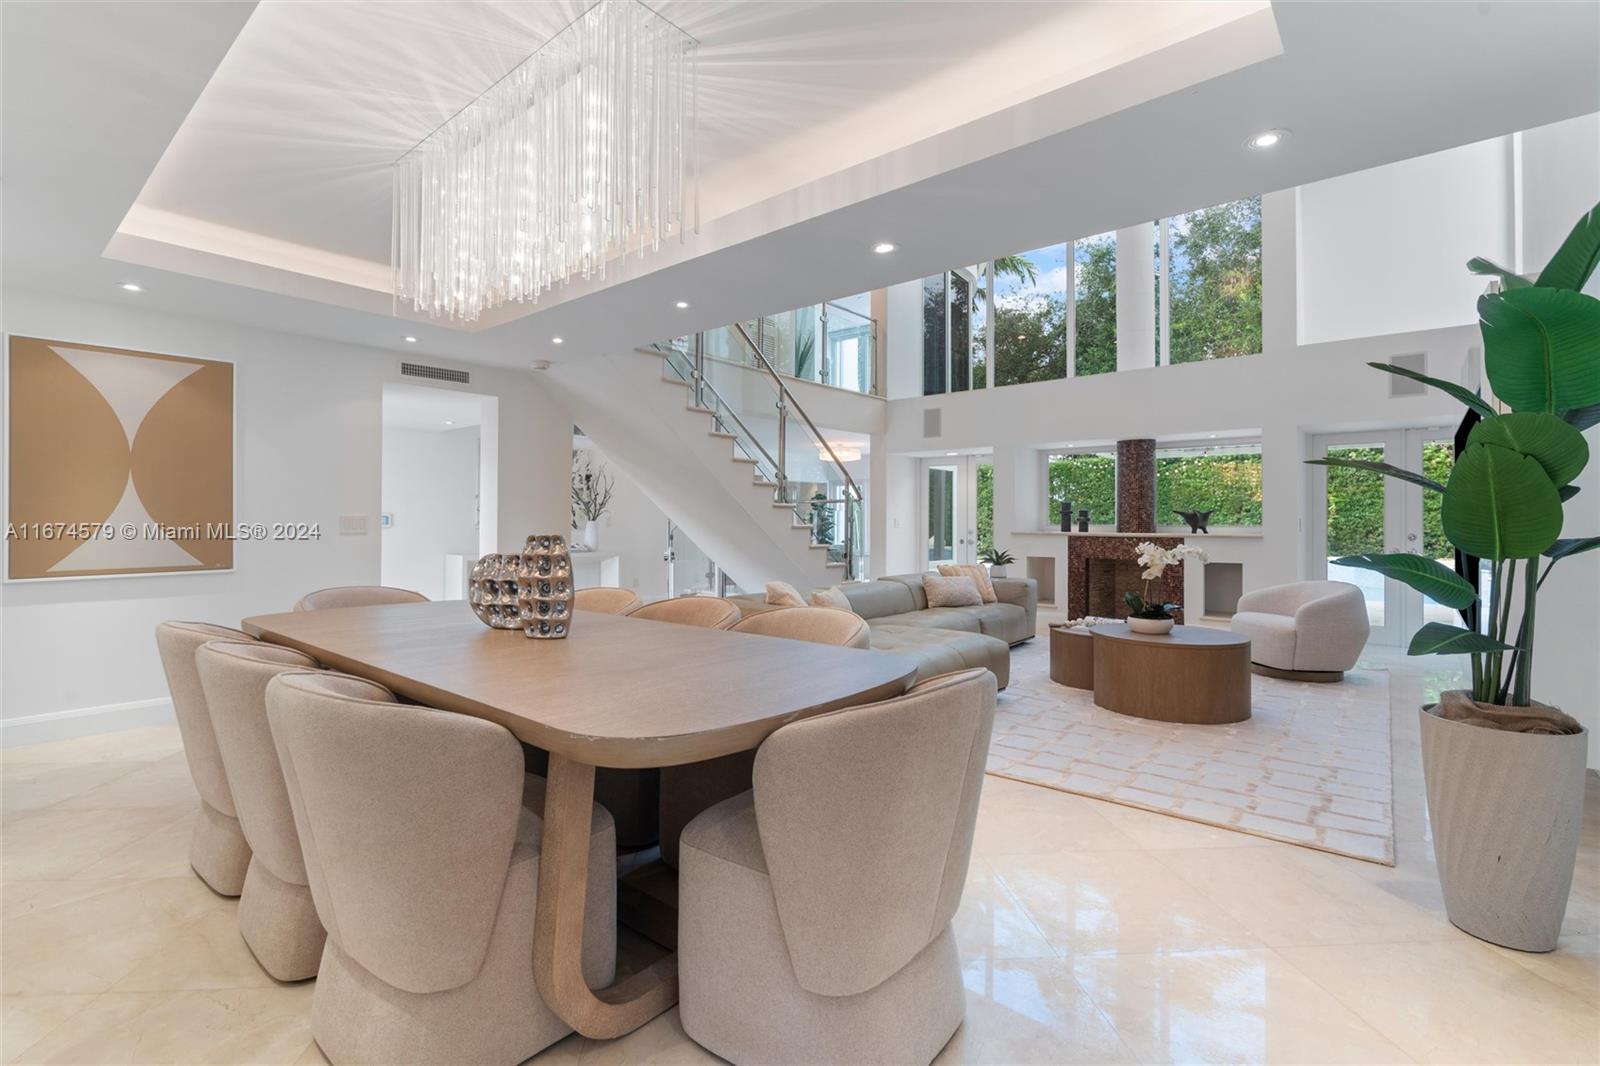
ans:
(951, 511)
(1356, 512)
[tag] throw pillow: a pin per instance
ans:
(831, 597)
(951, 591)
(783, 594)
(978, 574)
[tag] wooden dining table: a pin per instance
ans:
(618, 692)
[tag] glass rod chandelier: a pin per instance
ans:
(581, 154)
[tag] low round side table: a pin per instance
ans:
(1194, 675)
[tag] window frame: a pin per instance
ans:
(1230, 445)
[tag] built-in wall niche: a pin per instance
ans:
(1224, 584)
(1042, 568)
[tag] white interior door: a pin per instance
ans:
(1355, 512)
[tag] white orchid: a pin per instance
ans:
(1155, 560)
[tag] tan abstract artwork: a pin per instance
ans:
(121, 462)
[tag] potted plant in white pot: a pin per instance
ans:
(997, 559)
(1153, 617)
(1504, 772)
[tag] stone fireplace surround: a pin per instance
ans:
(1101, 566)
(1116, 547)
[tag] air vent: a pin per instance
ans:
(1417, 364)
(435, 373)
(933, 422)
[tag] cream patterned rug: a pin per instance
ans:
(1311, 766)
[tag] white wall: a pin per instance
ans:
(430, 488)
(1384, 250)
(309, 448)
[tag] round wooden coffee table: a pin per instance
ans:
(1194, 674)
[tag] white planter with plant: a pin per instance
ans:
(1504, 772)
(997, 560)
(592, 486)
(1153, 617)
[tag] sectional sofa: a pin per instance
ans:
(940, 639)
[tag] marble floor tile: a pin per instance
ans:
(24, 1020)
(1226, 1006)
(129, 745)
(234, 1025)
(1116, 901)
(1455, 1001)
(163, 783)
(30, 786)
(1030, 1011)
(53, 843)
(1015, 818)
(991, 923)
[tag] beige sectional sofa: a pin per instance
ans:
(940, 639)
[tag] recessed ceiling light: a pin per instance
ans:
(884, 247)
(555, 340)
(950, 453)
(448, 422)
(682, 305)
(130, 286)
(1267, 139)
(411, 340)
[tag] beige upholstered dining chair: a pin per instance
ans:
(709, 612)
(277, 917)
(819, 625)
(607, 600)
(357, 596)
(217, 849)
(810, 933)
(421, 837)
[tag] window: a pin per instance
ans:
(1211, 307)
(1088, 480)
(986, 507)
(1222, 479)
(1095, 305)
(935, 350)
(1030, 327)
(980, 326)
(960, 332)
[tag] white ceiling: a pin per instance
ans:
(431, 410)
(1138, 126)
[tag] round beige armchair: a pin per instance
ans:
(1305, 630)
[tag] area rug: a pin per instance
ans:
(1311, 766)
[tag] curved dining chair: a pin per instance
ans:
(356, 596)
(277, 916)
(689, 789)
(709, 612)
(818, 625)
(607, 600)
(421, 837)
(809, 933)
(218, 852)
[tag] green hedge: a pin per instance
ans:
(1229, 485)
(1355, 502)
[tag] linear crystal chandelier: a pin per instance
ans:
(581, 154)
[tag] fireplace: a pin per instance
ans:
(1109, 581)
(1101, 567)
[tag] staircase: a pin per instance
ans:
(722, 471)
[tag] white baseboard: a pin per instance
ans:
(84, 721)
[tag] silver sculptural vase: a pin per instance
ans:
(531, 591)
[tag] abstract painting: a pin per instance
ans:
(121, 462)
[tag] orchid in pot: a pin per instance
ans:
(1153, 616)
(1504, 772)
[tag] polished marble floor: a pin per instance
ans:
(1092, 932)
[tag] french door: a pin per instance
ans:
(951, 516)
(1355, 512)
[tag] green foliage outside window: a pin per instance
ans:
(1215, 300)
(985, 507)
(1355, 502)
(1095, 305)
(1089, 481)
(1227, 485)
(1032, 340)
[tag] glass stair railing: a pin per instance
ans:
(830, 507)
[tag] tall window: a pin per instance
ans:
(1225, 480)
(1095, 305)
(986, 507)
(1030, 325)
(960, 332)
(935, 346)
(1088, 480)
(980, 324)
(1213, 283)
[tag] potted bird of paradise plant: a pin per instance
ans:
(1503, 771)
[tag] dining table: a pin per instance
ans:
(616, 692)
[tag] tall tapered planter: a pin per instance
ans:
(1505, 809)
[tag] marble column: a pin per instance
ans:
(1136, 486)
